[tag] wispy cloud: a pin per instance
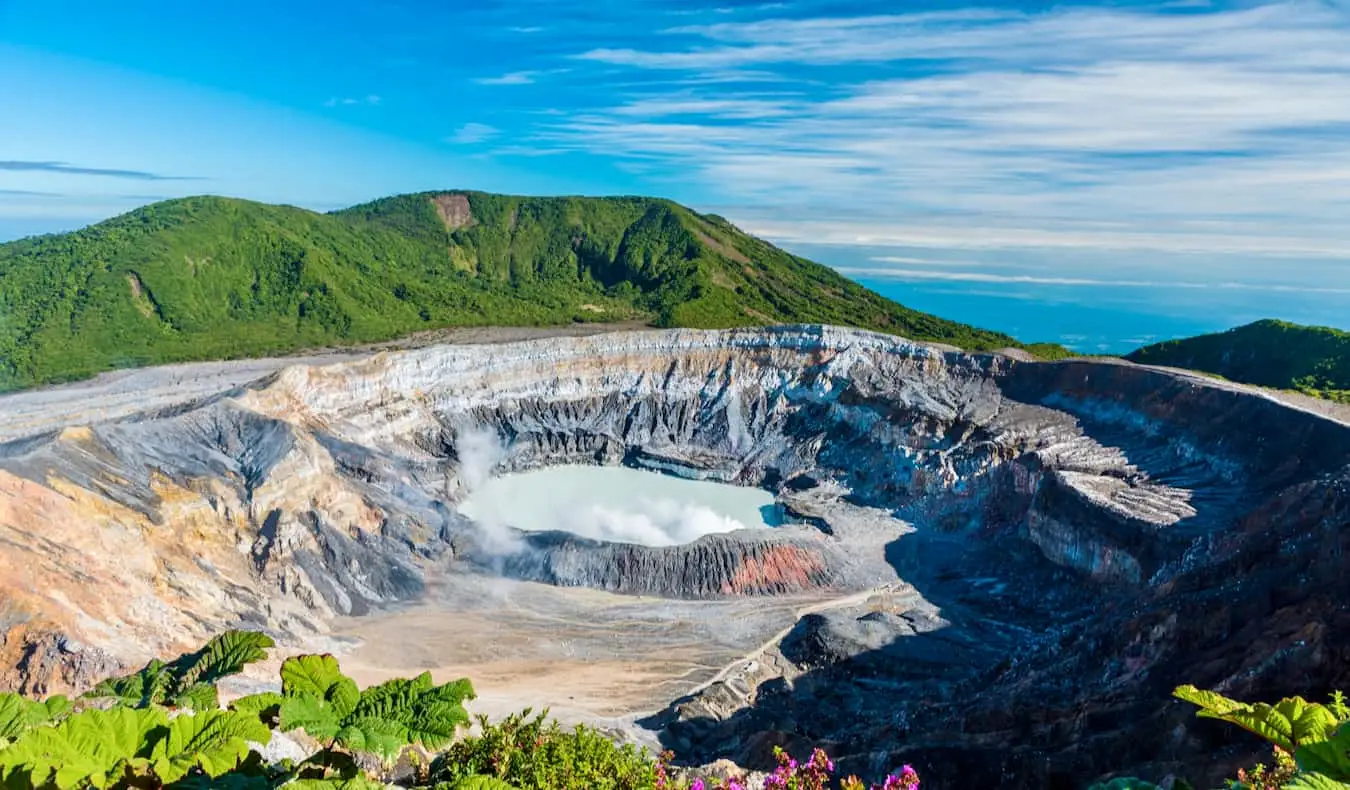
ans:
(61, 168)
(1117, 128)
(472, 134)
(920, 275)
(369, 100)
(513, 78)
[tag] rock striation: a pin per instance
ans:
(1085, 534)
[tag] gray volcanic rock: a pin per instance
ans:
(784, 561)
(1085, 534)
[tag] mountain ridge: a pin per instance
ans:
(1314, 360)
(211, 277)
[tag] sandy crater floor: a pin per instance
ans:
(588, 656)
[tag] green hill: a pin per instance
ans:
(208, 277)
(1312, 359)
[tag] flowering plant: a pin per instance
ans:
(814, 774)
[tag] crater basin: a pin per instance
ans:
(618, 504)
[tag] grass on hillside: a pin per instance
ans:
(1309, 359)
(216, 278)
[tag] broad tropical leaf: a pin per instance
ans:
(381, 737)
(355, 783)
(214, 741)
(391, 698)
(265, 705)
(234, 780)
(320, 676)
(1330, 757)
(311, 714)
(149, 686)
(92, 747)
(199, 696)
(493, 783)
(434, 725)
(17, 714)
(432, 714)
(1288, 724)
(1120, 783)
(1311, 781)
(57, 707)
(226, 654)
(184, 682)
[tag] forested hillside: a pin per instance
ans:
(1312, 359)
(208, 277)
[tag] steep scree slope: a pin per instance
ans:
(1087, 534)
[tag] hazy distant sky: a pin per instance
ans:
(1124, 142)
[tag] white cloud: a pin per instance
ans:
(513, 78)
(912, 275)
(472, 134)
(1084, 128)
(913, 261)
(742, 109)
(348, 101)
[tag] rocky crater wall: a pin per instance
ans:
(1080, 526)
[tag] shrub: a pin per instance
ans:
(1311, 740)
(534, 752)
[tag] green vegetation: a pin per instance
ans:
(151, 730)
(1314, 360)
(1311, 741)
(215, 278)
(535, 752)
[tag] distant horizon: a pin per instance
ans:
(1082, 316)
(1031, 142)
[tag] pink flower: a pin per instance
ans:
(696, 785)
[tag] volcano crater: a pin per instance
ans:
(997, 569)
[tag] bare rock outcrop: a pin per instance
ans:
(1085, 534)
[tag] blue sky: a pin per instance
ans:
(997, 144)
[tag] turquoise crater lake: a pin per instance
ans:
(619, 504)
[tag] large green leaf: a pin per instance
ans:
(1312, 781)
(456, 691)
(266, 706)
(55, 709)
(493, 783)
(434, 725)
(1288, 724)
(226, 654)
(187, 681)
(1330, 757)
(381, 737)
(311, 714)
(354, 783)
(16, 715)
(432, 714)
(149, 686)
(1119, 783)
(393, 698)
(198, 696)
(320, 676)
(214, 741)
(91, 747)
(234, 780)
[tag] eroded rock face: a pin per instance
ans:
(1086, 535)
